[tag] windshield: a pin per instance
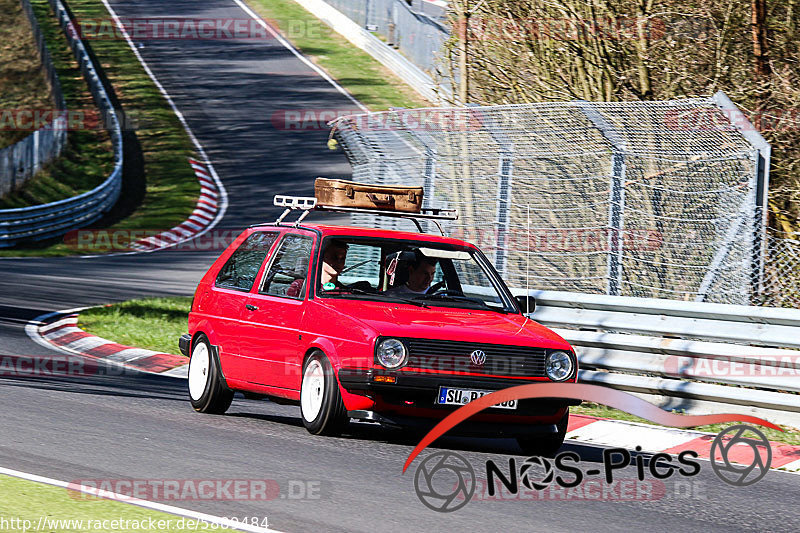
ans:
(415, 272)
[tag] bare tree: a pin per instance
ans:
(616, 50)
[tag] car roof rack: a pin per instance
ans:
(308, 204)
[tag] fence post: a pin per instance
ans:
(759, 183)
(505, 172)
(616, 196)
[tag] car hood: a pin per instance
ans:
(443, 323)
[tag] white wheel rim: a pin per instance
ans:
(312, 390)
(198, 371)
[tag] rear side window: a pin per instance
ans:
(242, 267)
(287, 273)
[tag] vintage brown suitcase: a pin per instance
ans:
(343, 193)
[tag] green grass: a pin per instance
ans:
(87, 158)
(151, 323)
(26, 500)
(362, 76)
(789, 435)
(22, 81)
(171, 187)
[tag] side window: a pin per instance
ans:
(363, 264)
(287, 274)
(241, 269)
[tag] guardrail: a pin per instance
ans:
(405, 27)
(56, 218)
(20, 161)
(410, 73)
(687, 353)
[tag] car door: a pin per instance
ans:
(228, 297)
(271, 322)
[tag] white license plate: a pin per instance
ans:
(451, 396)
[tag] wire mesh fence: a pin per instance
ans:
(22, 160)
(418, 31)
(782, 272)
(646, 199)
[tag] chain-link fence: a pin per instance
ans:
(648, 199)
(418, 35)
(782, 272)
(22, 160)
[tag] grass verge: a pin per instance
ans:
(87, 158)
(171, 189)
(150, 323)
(31, 506)
(789, 435)
(156, 324)
(362, 76)
(165, 184)
(22, 81)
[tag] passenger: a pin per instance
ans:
(420, 276)
(333, 261)
(296, 289)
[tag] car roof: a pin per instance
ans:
(356, 231)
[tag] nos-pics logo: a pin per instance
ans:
(445, 481)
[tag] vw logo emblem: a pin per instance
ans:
(478, 357)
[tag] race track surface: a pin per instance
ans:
(136, 426)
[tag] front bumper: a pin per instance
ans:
(184, 343)
(414, 390)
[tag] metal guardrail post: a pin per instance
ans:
(505, 172)
(430, 178)
(616, 195)
(429, 173)
(762, 155)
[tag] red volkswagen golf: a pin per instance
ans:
(395, 327)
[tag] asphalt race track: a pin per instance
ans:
(136, 426)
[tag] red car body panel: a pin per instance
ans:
(262, 350)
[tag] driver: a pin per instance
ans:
(420, 276)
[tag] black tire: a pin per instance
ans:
(545, 445)
(207, 392)
(321, 405)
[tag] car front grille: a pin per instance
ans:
(455, 356)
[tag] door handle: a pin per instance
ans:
(251, 307)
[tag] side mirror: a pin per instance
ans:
(526, 303)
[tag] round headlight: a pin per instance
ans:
(391, 353)
(559, 366)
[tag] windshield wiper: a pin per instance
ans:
(381, 295)
(461, 298)
(452, 297)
